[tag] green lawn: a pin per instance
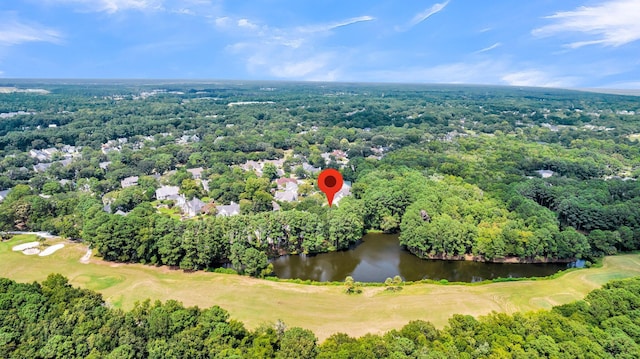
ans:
(323, 309)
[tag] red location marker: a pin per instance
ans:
(330, 182)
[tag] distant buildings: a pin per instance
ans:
(129, 182)
(228, 210)
(258, 166)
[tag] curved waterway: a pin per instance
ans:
(379, 256)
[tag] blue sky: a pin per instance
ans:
(577, 44)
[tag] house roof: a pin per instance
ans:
(228, 210)
(309, 168)
(290, 194)
(195, 204)
(166, 191)
(41, 167)
(283, 181)
(195, 171)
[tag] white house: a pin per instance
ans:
(165, 192)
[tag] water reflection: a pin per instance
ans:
(380, 256)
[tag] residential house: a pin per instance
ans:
(129, 182)
(196, 172)
(289, 194)
(343, 192)
(232, 209)
(258, 166)
(186, 139)
(252, 166)
(165, 192)
(104, 165)
(43, 155)
(282, 182)
(309, 168)
(191, 208)
(41, 167)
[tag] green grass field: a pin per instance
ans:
(323, 309)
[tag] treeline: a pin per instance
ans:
(244, 241)
(54, 320)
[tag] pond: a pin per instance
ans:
(380, 256)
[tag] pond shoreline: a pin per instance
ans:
(508, 259)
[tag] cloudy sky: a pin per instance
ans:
(577, 44)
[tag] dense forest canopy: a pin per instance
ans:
(54, 320)
(488, 172)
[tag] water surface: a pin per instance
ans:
(379, 256)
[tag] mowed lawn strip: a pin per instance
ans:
(323, 309)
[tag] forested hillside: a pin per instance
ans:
(54, 320)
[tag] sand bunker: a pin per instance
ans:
(31, 251)
(85, 258)
(23, 246)
(51, 249)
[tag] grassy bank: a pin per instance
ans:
(323, 309)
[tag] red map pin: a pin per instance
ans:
(330, 182)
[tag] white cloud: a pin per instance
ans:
(422, 16)
(611, 23)
(535, 77)
(331, 26)
(489, 48)
(113, 6)
(15, 32)
(288, 53)
(299, 69)
(223, 21)
(246, 24)
(497, 72)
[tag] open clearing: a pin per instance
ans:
(323, 309)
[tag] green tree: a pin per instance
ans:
(269, 171)
(298, 343)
